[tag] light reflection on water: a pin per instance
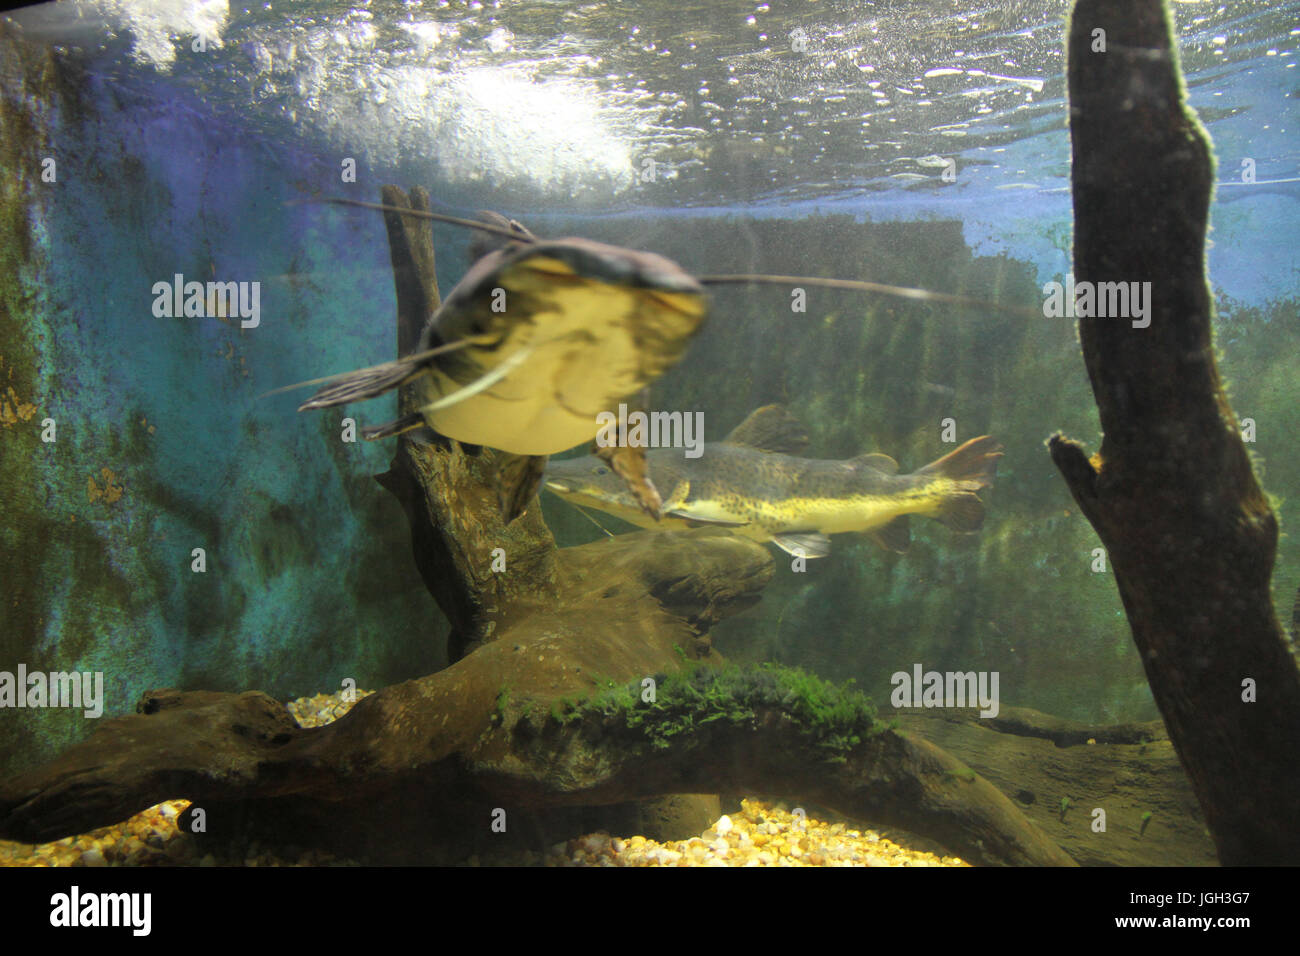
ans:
(729, 101)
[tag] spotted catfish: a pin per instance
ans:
(753, 482)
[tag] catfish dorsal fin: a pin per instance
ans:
(770, 428)
(484, 242)
(879, 462)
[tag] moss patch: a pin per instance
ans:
(832, 718)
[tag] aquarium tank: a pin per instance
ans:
(665, 434)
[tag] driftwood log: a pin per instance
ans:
(1189, 533)
(421, 770)
(415, 772)
(1060, 773)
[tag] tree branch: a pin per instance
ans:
(1189, 533)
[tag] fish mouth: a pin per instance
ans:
(558, 484)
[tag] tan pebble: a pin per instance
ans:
(816, 859)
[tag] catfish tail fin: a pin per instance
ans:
(970, 469)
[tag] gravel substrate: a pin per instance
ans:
(150, 838)
(759, 835)
(324, 708)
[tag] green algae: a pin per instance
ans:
(28, 529)
(107, 584)
(832, 718)
(44, 547)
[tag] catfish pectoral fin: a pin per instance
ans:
(519, 479)
(629, 462)
(428, 437)
(367, 383)
(397, 427)
(646, 495)
(803, 544)
(695, 521)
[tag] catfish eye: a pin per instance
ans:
(601, 470)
